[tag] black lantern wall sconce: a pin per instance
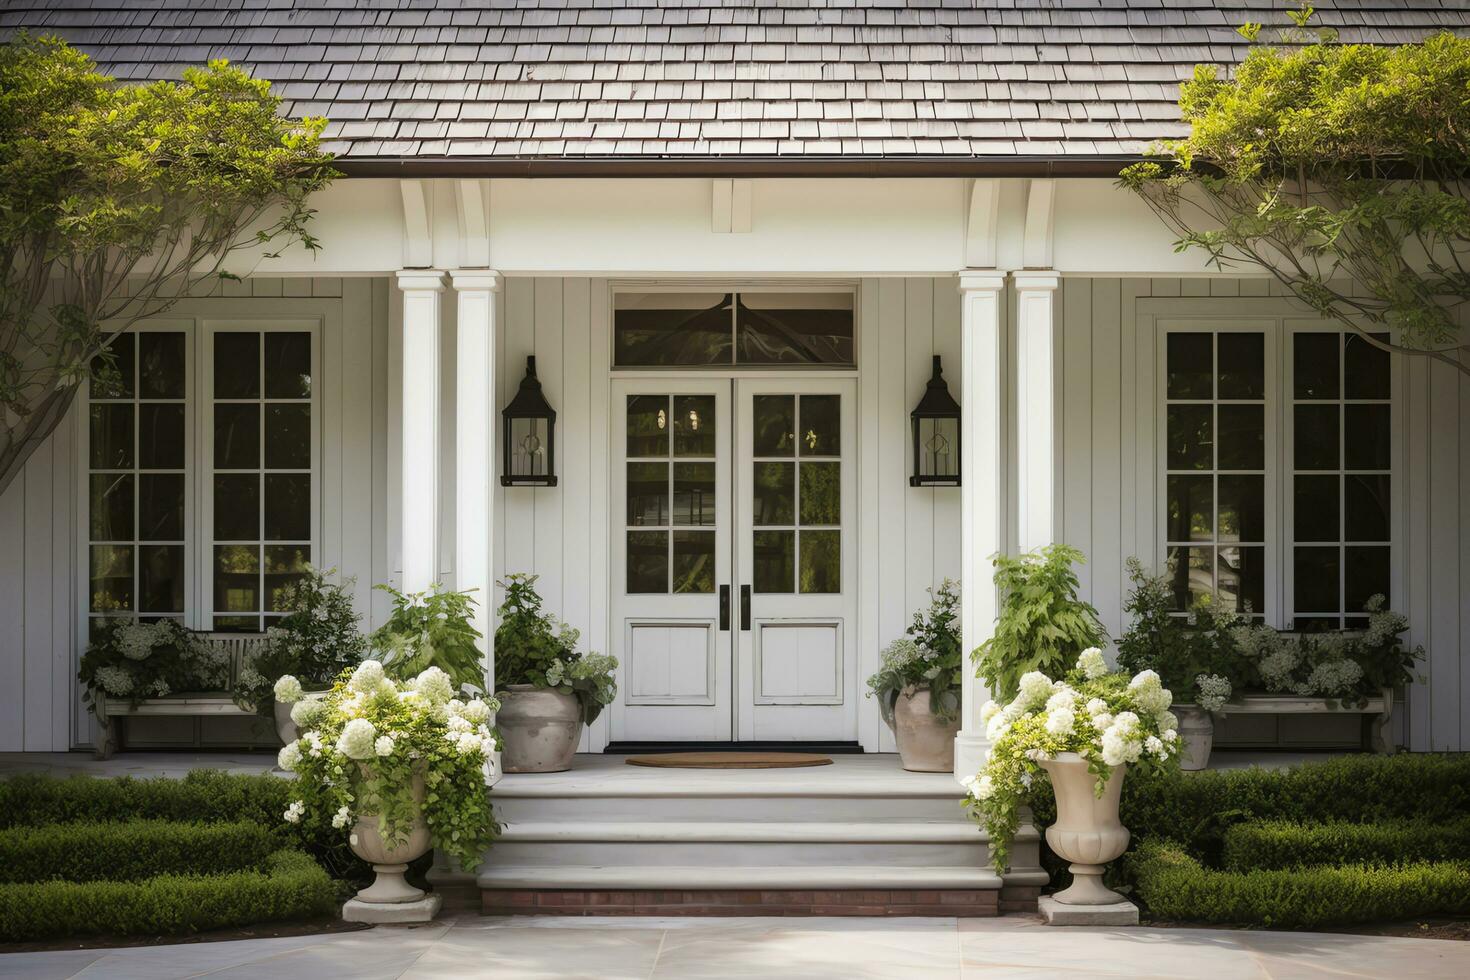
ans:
(528, 436)
(936, 423)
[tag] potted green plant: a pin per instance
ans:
(304, 652)
(918, 686)
(1043, 625)
(1079, 734)
(398, 767)
(431, 629)
(547, 690)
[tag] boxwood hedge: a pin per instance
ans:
(1288, 844)
(131, 850)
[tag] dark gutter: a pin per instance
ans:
(912, 166)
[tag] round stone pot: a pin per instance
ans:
(1087, 832)
(285, 727)
(1197, 735)
(539, 729)
(390, 863)
(925, 741)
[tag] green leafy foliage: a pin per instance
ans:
(1274, 844)
(1180, 650)
(315, 643)
(116, 200)
(928, 656)
(1043, 625)
(1337, 169)
(431, 629)
(132, 850)
(290, 887)
(143, 660)
(534, 647)
(1174, 885)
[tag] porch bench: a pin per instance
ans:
(1379, 712)
(110, 712)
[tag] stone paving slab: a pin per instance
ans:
(1011, 947)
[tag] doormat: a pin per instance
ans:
(729, 760)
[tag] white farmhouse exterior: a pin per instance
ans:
(471, 234)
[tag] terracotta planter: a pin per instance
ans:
(925, 741)
(1197, 735)
(539, 729)
(1087, 832)
(390, 863)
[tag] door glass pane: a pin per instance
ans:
(821, 493)
(1314, 364)
(160, 365)
(773, 560)
(694, 562)
(161, 507)
(1367, 576)
(161, 436)
(285, 565)
(1315, 437)
(648, 562)
(287, 365)
(668, 329)
(237, 436)
(648, 494)
(1191, 573)
(1242, 437)
(821, 425)
(111, 577)
(111, 507)
(821, 561)
(1314, 506)
(648, 425)
(161, 578)
(1242, 371)
(236, 507)
(1241, 575)
(773, 425)
(236, 578)
(287, 506)
(694, 425)
(111, 433)
(1191, 370)
(1191, 508)
(1365, 368)
(794, 328)
(1190, 437)
(1367, 498)
(237, 365)
(1366, 433)
(773, 493)
(288, 436)
(1316, 575)
(116, 381)
(694, 495)
(1242, 508)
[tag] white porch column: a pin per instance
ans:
(982, 473)
(420, 428)
(1035, 410)
(474, 435)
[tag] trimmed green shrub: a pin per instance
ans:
(132, 851)
(292, 886)
(1173, 885)
(1287, 844)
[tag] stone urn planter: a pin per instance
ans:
(390, 898)
(1196, 734)
(286, 729)
(1087, 832)
(539, 729)
(925, 741)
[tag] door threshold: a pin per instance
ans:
(655, 748)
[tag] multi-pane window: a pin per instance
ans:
(796, 475)
(672, 329)
(671, 494)
(261, 480)
(1215, 468)
(137, 434)
(1341, 461)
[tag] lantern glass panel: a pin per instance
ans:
(939, 447)
(529, 445)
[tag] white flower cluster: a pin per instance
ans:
(980, 787)
(136, 640)
(434, 685)
(1214, 691)
(115, 680)
(341, 817)
(358, 739)
(383, 746)
(368, 679)
(1334, 677)
(468, 731)
(290, 756)
(1276, 666)
(900, 654)
(1092, 664)
(288, 689)
(295, 812)
(306, 712)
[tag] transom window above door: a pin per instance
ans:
(723, 329)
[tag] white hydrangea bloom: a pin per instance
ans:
(1036, 687)
(295, 812)
(1214, 691)
(367, 678)
(383, 746)
(1154, 746)
(1125, 721)
(984, 788)
(477, 711)
(1166, 721)
(1102, 722)
(289, 757)
(341, 817)
(306, 711)
(1060, 721)
(969, 784)
(288, 689)
(314, 743)
(989, 710)
(1092, 664)
(1096, 706)
(1064, 699)
(457, 723)
(115, 680)
(434, 685)
(357, 739)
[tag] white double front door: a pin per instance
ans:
(734, 561)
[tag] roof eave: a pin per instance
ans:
(744, 166)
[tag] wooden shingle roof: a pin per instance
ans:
(712, 79)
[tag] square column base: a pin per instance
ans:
(391, 913)
(1123, 913)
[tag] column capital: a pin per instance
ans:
(975, 281)
(465, 279)
(431, 279)
(1036, 279)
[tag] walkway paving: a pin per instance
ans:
(695, 949)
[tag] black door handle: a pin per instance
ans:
(724, 608)
(745, 607)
